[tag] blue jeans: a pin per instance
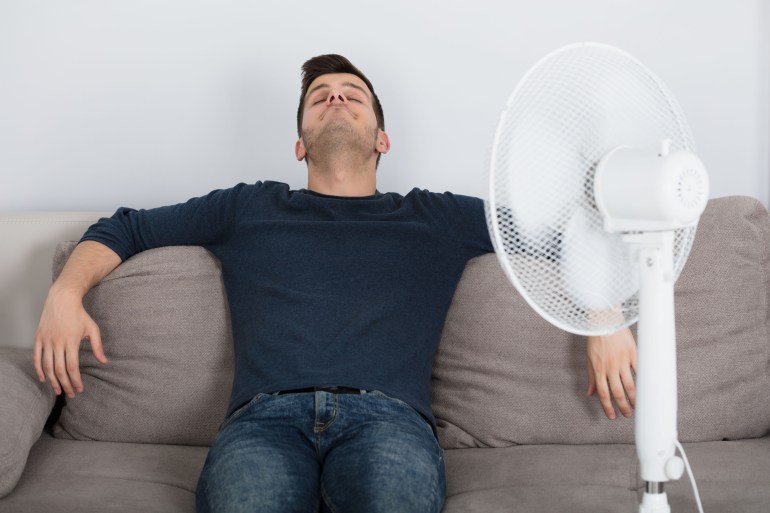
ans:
(319, 451)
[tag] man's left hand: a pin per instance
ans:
(611, 360)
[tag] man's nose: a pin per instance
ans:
(336, 96)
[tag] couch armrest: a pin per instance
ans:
(25, 404)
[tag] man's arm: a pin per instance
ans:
(610, 360)
(64, 322)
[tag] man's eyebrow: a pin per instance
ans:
(344, 84)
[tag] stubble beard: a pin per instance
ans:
(338, 142)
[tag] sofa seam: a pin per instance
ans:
(137, 480)
(506, 487)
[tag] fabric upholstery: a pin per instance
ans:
(165, 327)
(731, 476)
(24, 408)
(84, 477)
(505, 376)
(70, 476)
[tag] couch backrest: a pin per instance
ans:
(505, 376)
(502, 374)
(165, 326)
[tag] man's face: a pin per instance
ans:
(339, 114)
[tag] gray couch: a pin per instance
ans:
(509, 392)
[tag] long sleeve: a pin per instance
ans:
(201, 221)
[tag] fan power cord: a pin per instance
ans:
(689, 473)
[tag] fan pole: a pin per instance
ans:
(656, 401)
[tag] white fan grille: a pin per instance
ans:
(570, 109)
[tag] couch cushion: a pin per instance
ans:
(552, 478)
(69, 476)
(505, 376)
(24, 408)
(732, 476)
(166, 332)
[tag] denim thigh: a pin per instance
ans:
(383, 457)
(343, 453)
(261, 461)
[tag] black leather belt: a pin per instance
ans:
(331, 390)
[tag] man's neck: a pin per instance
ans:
(342, 180)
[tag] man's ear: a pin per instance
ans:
(299, 149)
(383, 142)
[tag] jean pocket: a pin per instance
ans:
(238, 412)
(417, 416)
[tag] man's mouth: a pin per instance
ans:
(336, 108)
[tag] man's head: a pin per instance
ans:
(332, 63)
(332, 83)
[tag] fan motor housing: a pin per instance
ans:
(649, 190)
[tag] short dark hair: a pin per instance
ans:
(333, 63)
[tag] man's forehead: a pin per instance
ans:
(337, 80)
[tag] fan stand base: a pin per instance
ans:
(654, 499)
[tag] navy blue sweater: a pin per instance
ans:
(323, 290)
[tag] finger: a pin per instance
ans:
(619, 395)
(95, 337)
(60, 368)
(632, 347)
(591, 378)
(73, 369)
(604, 397)
(37, 360)
(48, 367)
(629, 386)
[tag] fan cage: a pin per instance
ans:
(569, 110)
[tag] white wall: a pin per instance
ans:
(148, 102)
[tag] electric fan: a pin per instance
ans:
(595, 194)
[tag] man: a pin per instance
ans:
(337, 294)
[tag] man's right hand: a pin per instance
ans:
(64, 323)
